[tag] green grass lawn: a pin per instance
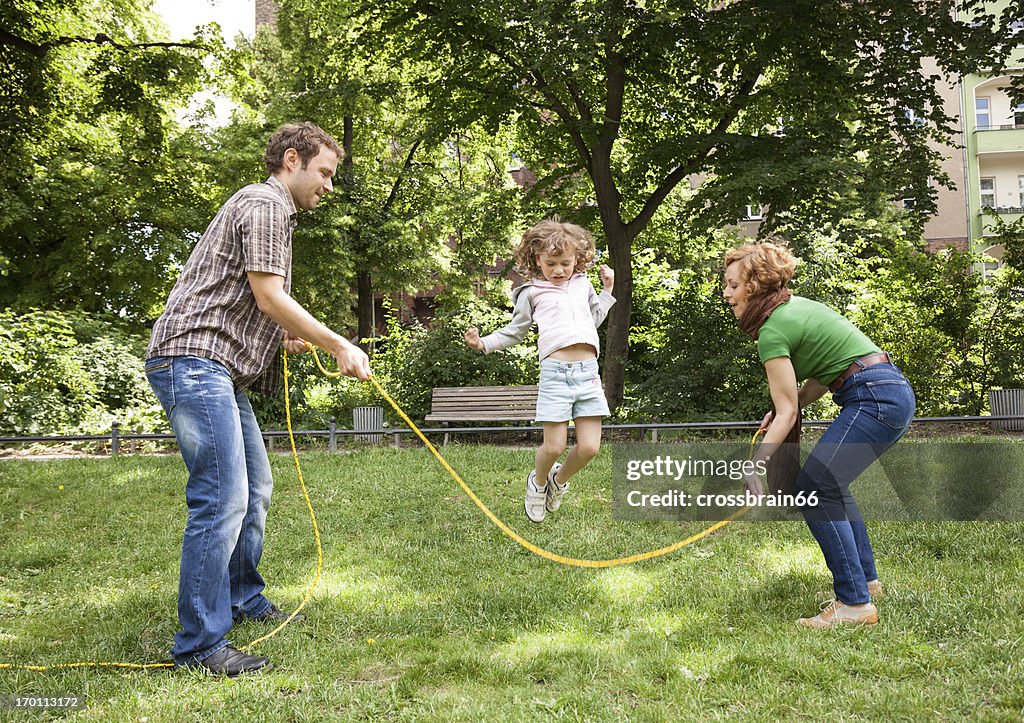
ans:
(427, 612)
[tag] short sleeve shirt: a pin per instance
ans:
(820, 342)
(211, 311)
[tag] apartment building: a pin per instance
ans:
(987, 163)
(994, 150)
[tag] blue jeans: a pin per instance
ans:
(227, 493)
(877, 407)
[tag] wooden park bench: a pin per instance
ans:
(482, 404)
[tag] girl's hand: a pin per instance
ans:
(607, 278)
(472, 338)
(294, 344)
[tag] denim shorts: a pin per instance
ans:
(569, 390)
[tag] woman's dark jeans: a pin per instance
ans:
(877, 407)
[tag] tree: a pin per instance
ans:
(765, 101)
(103, 190)
(413, 206)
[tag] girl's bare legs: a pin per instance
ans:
(555, 436)
(588, 444)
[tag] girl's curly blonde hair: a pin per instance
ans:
(763, 267)
(553, 237)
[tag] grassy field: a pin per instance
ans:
(426, 612)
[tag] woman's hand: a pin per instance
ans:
(752, 483)
(767, 421)
(472, 337)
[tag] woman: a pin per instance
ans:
(800, 340)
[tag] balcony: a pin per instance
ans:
(999, 139)
(1006, 215)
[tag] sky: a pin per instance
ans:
(182, 16)
(233, 16)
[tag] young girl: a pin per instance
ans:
(568, 310)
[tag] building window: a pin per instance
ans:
(988, 192)
(982, 114)
(1020, 191)
(913, 118)
(1018, 116)
(752, 213)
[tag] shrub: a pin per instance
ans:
(415, 359)
(69, 373)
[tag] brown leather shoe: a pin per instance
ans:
(838, 613)
(875, 589)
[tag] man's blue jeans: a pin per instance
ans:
(228, 493)
(877, 407)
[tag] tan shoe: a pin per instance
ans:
(875, 589)
(838, 613)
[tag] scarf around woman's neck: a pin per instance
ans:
(760, 308)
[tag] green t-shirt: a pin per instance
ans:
(820, 342)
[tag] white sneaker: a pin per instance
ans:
(555, 490)
(535, 497)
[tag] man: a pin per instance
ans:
(219, 336)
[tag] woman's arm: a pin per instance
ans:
(785, 396)
(810, 391)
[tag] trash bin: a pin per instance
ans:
(1006, 402)
(368, 419)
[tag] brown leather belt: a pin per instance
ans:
(863, 363)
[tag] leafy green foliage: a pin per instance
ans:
(43, 383)
(71, 374)
(104, 190)
(767, 103)
(690, 361)
(413, 206)
(415, 359)
(955, 335)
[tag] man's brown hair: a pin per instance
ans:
(306, 138)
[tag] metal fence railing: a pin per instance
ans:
(117, 438)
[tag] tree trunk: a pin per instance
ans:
(364, 307)
(617, 340)
(364, 282)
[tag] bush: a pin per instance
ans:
(414, 359)
(69, 373)
(689, 361)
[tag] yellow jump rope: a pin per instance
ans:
(505, 529)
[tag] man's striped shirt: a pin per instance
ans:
(211, 311)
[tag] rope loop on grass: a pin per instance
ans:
(505, 529)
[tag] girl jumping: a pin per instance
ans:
(561, 300)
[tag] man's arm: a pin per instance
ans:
(296, 321)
